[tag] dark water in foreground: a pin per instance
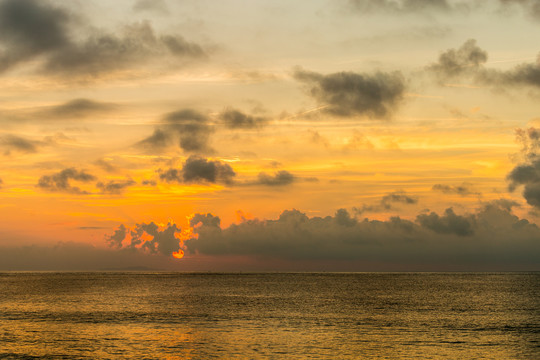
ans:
(313, 315)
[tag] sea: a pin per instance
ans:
(157, 315)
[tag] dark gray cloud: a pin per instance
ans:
(449, 223)
(343, 218)
(387, 202)
(102, 52)
(467, 59)
(530, 142)
(115, 240)
(61, 181)
(147, 238)
(407, 6)
(192, 127)
(76, 108)
(280, 178)
(468, 62)
(31, 28)
(204, 220)
(235, 119)
(527, 172)
(114, 186)
(18, 144)
(528, 175)
(464, 189)
(171, 175)
(505, 204)
(189, 128)
(376, 95)
(159, 139)
(197, 169)
(524, 74)
(38, 30)
(493, 234)
(399, 197)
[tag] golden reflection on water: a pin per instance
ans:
(246, 316)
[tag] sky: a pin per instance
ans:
(348, 135)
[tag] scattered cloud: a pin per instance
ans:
(527, 172)
(467, 59)
(197, 169)
(149, 182)
(398, 197)
(106, 165)
(171, 175)
(188, 127)
(280, 178)
(345, 94)
(387, 202)
(235, 119)
(23, 145)
(29, 29)
(40, 30)
(468, 62)
(103, 52)
(114, 186)
(18, 144)
(158, 140)
(464, 189)
(60, 181)
(76, 108)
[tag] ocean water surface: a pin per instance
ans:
(269, 315)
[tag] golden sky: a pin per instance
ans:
(269, 135)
